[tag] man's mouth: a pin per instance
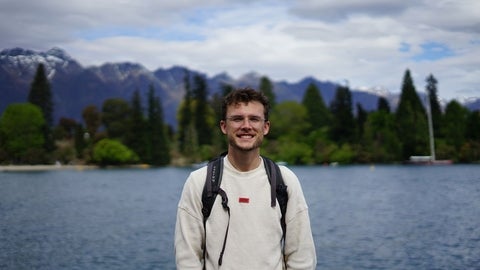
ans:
(245, 136)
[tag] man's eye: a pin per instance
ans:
(237, 119)
(254, 119)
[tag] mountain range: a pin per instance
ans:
(74, 87)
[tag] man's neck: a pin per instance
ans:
(244, 161)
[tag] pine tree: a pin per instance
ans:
(159, 150)
(136, 138)
(383, 105)
(318, 113)
(266, 87)
(361, 118)
(411, 120)
(185, 116)
(41, 95)
(200, 94)
(343, 126)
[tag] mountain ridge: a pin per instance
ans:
(74, 87)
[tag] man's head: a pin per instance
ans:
(245, 119)
(245, 95)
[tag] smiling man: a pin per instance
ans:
(246, 228)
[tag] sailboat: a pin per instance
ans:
(429, 160)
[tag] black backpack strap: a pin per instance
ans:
(278, 189)
(210, 191)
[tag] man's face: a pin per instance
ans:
(245, 125)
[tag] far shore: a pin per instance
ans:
(44, 167)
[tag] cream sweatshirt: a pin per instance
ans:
(255, 233)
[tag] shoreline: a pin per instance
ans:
(44, 167)
(59, 167)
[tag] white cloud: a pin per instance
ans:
(370, 42)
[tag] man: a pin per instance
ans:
(250, 235)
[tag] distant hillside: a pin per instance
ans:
(74, 87)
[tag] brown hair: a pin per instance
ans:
(245, 95)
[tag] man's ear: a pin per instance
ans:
(223, 126)
(266, 127)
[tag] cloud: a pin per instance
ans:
(370, 43)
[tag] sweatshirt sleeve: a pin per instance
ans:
(189, 232)
(300, 251)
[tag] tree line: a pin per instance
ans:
(307, 132)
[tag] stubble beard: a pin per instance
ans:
(236, 146)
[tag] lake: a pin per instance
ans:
(363, 217)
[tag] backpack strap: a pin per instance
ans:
(278, 189)
(209, 193)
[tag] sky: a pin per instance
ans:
(367, 44)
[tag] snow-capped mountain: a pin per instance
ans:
(74, 87)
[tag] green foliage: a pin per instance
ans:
(343, 126)
(41, 95)
(137, 137)
(266, 87)
(343, 155)
(115, 117)
(21, 129)
(383, 105)
(113, 152)
(300, 133)
(318, 114)
(411, 118)
(294, 152)
(158, 151)
(455, 122)
(289, 119)
(380, 139)
(92, 118)
(201, 111)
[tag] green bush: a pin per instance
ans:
(113, 152)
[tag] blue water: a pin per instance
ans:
(363, 217)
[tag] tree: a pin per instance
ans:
(266, 87)
(157, 136)
(411, 120)
(343, 126)
(200, 93)
(66, 127)
(383, 105)
(41, 95)
(455, 124)
(137, 136)
(21, 129)
(472, 131)
(115, 115)
(185, 118)
(92, 118)
(286, 140)
(380, 140)
(318, 114)
(361, 118)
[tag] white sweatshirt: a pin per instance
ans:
(255, 233)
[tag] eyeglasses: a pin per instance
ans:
(252, 120)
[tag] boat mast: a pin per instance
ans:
(430, 128)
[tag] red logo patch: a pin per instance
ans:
(243, 200)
